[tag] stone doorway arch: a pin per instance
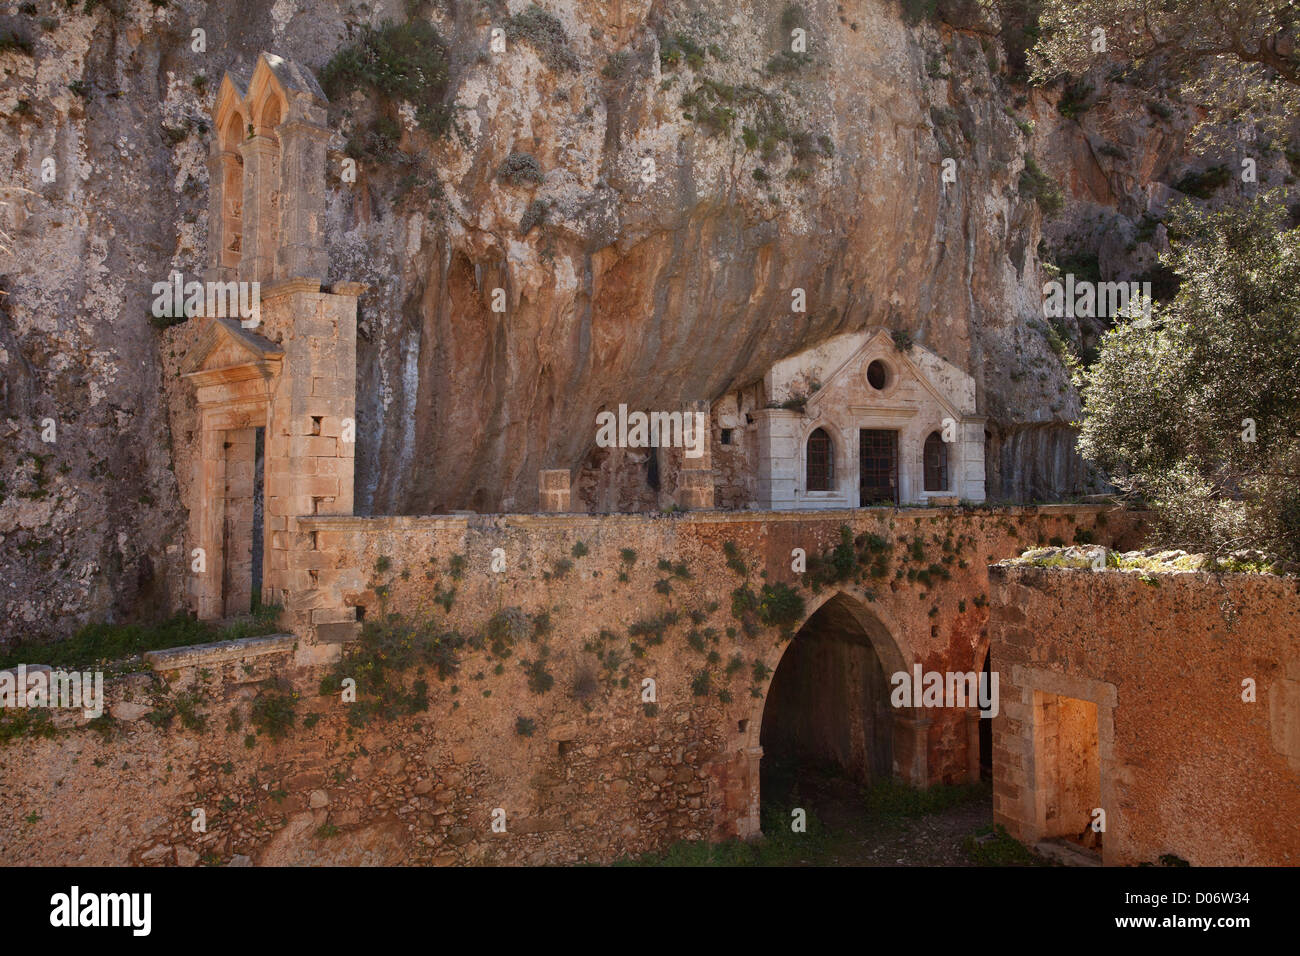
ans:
(869, 638)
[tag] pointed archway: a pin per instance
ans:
(827, 702)
(827, 719)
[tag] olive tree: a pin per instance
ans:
(1238, 58)
(1197, 408)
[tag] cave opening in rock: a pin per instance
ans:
(828, 726)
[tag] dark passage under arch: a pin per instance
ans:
(827, 713)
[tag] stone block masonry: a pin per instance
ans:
(541, 712)
(1123, 690)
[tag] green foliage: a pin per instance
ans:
(525, 726)
(273, 713)
(504, 629)
(546, 35)
(617, 66)
(1203, 185)
(628, 556)
(902, 339)
(579, 550)
(540, 680)
(11, 41)
(734, 562)
(651, 630)
(744, 606)
(892, 800)
(20, 722)
(993, 846)
(917, 11)
(399, 62)
(101, 643)
(780, 846)
(787, 61)
(780, 605)
(1167, 402)
(710, 105)
(1075, 98)
(677, 47)
(535, 215)
(1041, 187)
(1226, 59)
(187, 708)
(378, 661)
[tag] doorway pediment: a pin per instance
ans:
(227, 353)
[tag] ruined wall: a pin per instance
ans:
(1186, 766)
(601, 775)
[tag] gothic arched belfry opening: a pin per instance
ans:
(278, 386)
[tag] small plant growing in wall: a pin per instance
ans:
(521, 169)
(273, 714)
(780, 606)
(732, 554)
(701, 683)
(540, 680)
(544, 32)
(627, 556)
(580, 550)
(534, 216)
(187, 708)
(525, 726)
(457, 563)
(445, 598)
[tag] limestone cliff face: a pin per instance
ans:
(646, 284)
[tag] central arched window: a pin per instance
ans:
(936, 463)
(821, 461)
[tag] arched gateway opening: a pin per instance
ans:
(827, 718)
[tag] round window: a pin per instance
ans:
(877, 375)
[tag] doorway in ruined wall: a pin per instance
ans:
(242, 525)
(828, 727)
(1068, 769)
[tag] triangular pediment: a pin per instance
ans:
(833, 373)
(226, 345)
(852, 364)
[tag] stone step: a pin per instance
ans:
(1067, 853)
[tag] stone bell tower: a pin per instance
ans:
(276, 394)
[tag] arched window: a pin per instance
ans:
(821, 461)
(936, 463)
